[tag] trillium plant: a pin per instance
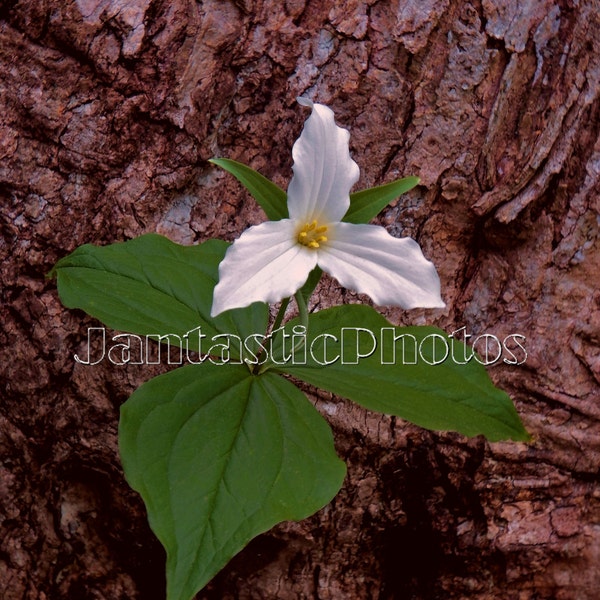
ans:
(227, 446)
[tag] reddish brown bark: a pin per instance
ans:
(109, 113)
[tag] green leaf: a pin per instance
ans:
(272, 199)
(367, 204)
(150, 285)
(364, 205)
(442, 396)
(220, 456)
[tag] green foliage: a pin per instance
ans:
(367, 204)
(426, 384)
(364, 205)
(271, 198)
(220, 455)
(150, 285)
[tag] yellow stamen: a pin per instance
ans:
(310, 235)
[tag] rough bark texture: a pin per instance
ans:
(109, 111)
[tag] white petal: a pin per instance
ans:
(323, 169)
(392, 271)
(265, 263)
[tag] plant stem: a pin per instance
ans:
(279, 319)
(302, 314)
(302, 308)
(270, 336)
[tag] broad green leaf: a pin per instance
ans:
(367, 204)
(272, 199)
(220, 456)
(152, 286)
(421, 386)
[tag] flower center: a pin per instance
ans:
(311, 235)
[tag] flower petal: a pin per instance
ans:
(392, 271)
(264, 264)
(323, 169)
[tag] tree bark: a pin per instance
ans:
(109, 113)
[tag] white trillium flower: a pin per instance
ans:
(271, 261)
